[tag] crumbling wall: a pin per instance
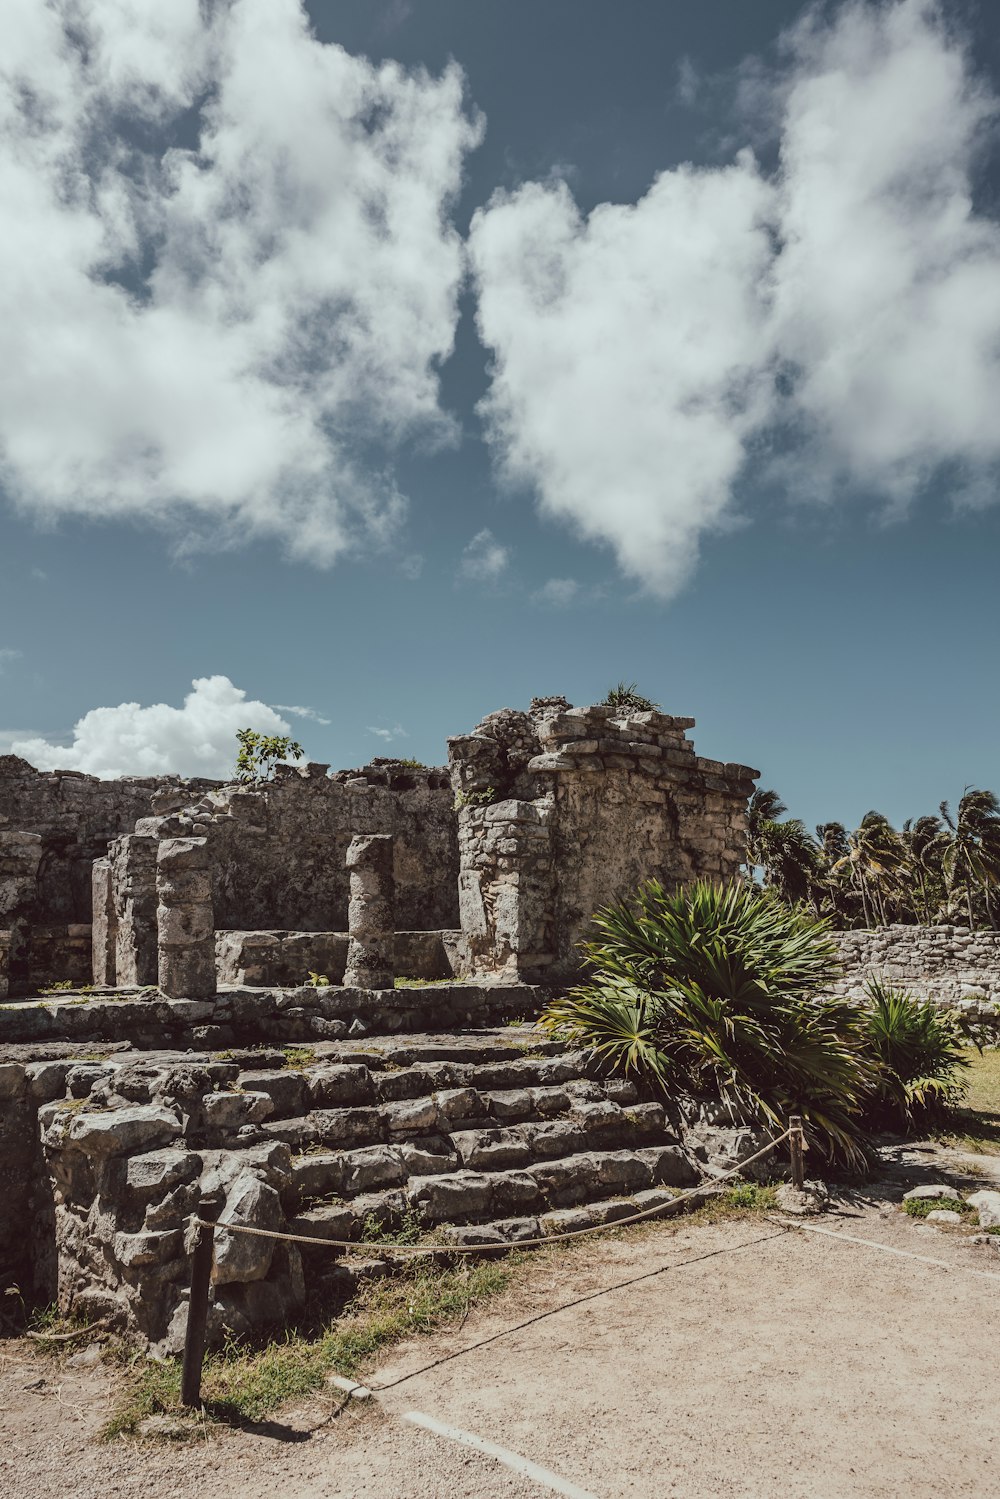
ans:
(76, 816)
(60, 822)
(278, 849)
(565, 809)
(943, 963)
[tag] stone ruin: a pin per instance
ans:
(308, 1003)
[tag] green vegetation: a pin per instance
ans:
(919, 1207)
(244, 1383)
(260, 753)
(475, 798)
(318, 980)
(938, 868)
(722, 993)
(402, 983)
(299, 1056)
(412, 764)
(921, 1056)
(375, 1230)
(627, 698)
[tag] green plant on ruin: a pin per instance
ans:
(64, 986)
(625, 697)
(260, 753)
(376, 1231)
(920, 1053)
(318, 980)
(299, 1056)
(412, 764)
(475, 798)
(723, 992)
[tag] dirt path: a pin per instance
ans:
(759, 1362)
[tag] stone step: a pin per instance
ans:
(347, 1173)
(409, 1119)
(513, 1231)
(478, 1197)
(354, 1084)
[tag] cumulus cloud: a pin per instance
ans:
(197, 739)
(837, 320)
(557, 593)
(227, 274)
(396, 732)
(484, 559)
(7, 655)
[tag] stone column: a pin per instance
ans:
(185, 921)
(133, 889)
(4, 964)
(371, 917)
(103, 923)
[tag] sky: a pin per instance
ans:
(371, 366)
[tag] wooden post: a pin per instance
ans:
(201, 1275)
(795, 1148)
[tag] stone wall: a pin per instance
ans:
(278, 849)
(565, 809)
(53, 826)
(944, 963)
(285, 959)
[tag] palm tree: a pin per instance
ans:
(924, 840)
(784, 852)
(971, 857)
(871, 863)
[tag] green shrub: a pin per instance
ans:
(720, 992)
(920, 1055)
(919, 1207)
(628, 699)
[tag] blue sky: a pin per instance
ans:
(728, 430)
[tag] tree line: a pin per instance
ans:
(937, 868)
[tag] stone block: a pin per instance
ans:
(245, 1257)
(122, 1131)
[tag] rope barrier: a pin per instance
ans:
(906, 1254)
(205, 1229)
(360, 1246)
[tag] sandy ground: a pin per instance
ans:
(759, 1362)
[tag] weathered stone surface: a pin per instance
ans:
(929, 1192)
(371, 913)
(944, 1216)
(947, 964)
(122, 1131)
(230, 1111)
(245, 1257)
(586, 805)
(987, 1205)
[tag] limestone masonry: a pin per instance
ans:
(309, 1003)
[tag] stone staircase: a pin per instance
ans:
(491, 1137)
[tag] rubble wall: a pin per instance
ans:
(944, 963)
(278, 849)
(563, 810)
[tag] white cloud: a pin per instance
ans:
(221, 330)
(7, 655)
(198, 739)
(309, 713)
(396, 732)
(557, 593)
(843, 312)
(484, 559)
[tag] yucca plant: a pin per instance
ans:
(920, 1054)
(720, 991)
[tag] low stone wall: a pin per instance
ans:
(944, 963)
(242, 1016)
(285, 959)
